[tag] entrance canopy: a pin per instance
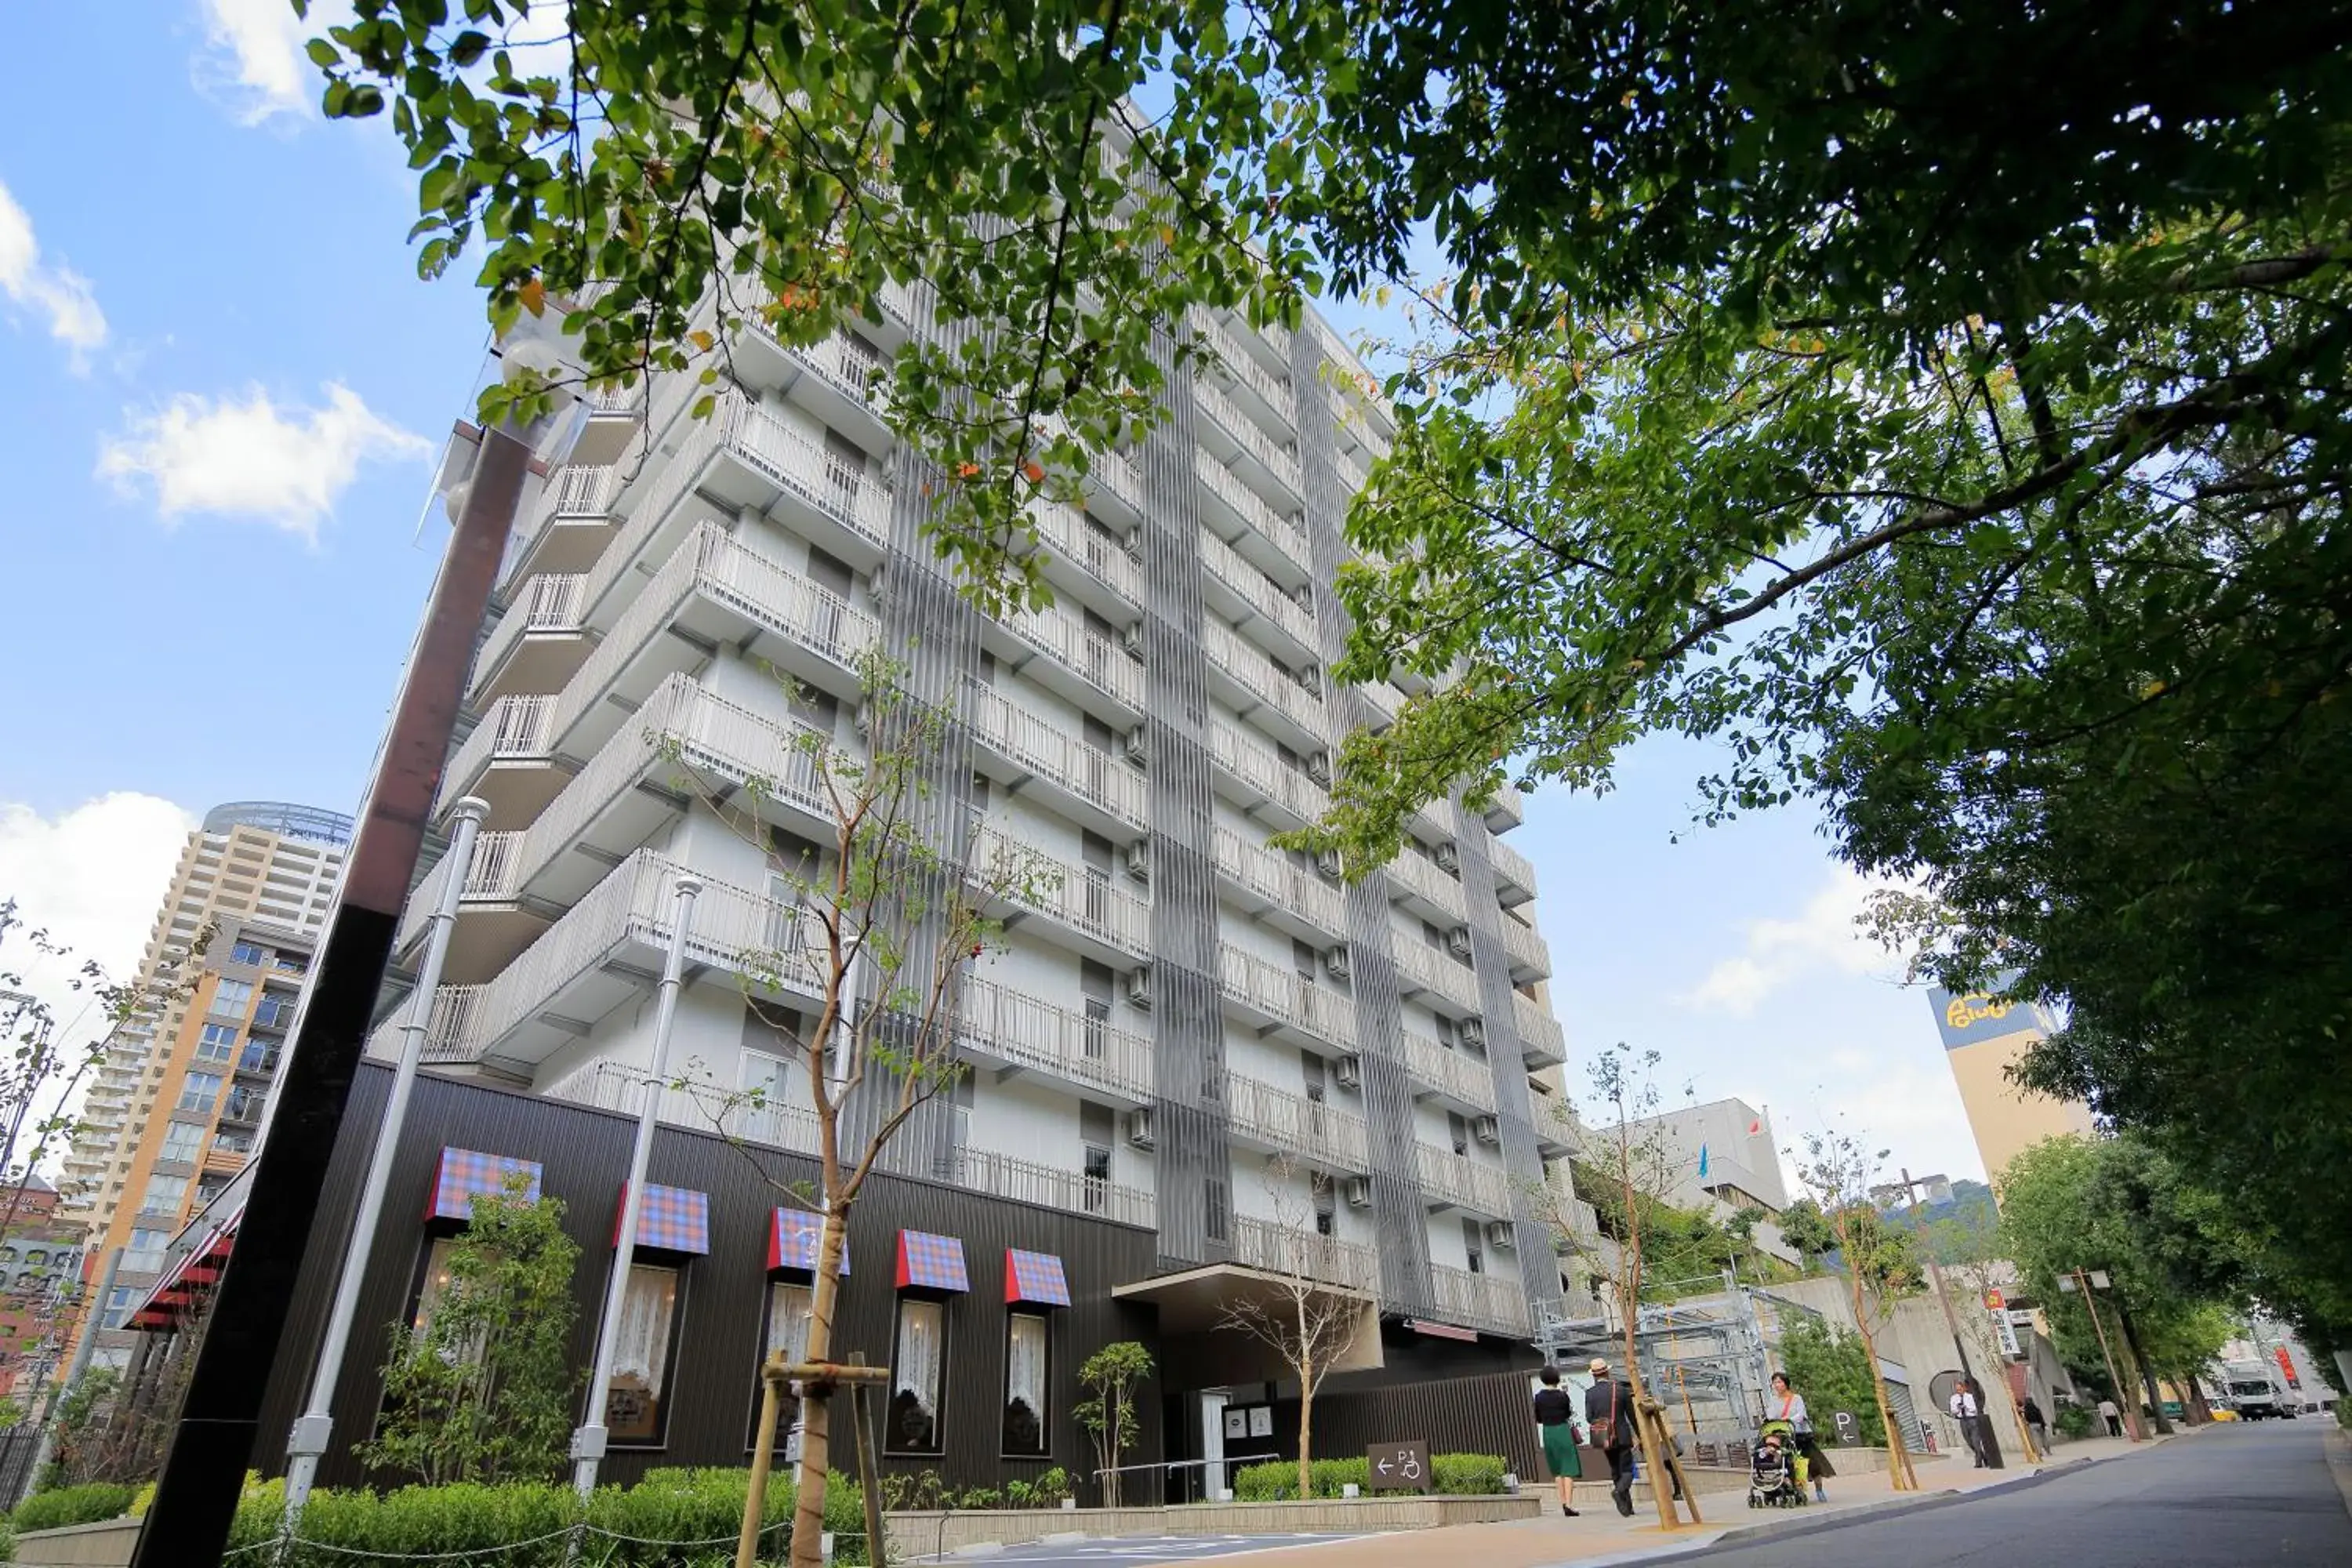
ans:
(1196, 1301)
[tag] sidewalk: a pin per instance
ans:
(1599, 1536)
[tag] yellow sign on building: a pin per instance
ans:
(1985, 1034)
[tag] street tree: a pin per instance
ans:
(1806, 1228)
(1107, 1413)
(1316, 1315)
(1880, 1264)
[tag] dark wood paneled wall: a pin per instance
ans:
(714, 1383)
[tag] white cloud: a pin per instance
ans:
(53, 290)
(253, 64)
(247, 457)
(91, 878)
(1819, 939)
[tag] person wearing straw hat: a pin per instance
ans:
(1609, 1414)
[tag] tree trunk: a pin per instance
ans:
(1899, 1472)
(816, 1424)
(1306, 1433)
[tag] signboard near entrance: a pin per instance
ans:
(1399, 1467)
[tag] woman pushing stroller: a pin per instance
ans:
(1786, 1407)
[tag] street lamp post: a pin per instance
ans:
(2085, 1281)
(1987, 1445)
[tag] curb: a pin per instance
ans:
(2338, 1450)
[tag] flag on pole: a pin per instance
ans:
(1702, 1162)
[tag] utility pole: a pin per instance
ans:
(2079, 1280)
(2146, 1372)
(1987, 1446)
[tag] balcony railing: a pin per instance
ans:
(853, 368)
(1261, 768)
(1420, 875)
(1255, 673)
(1268, 873)
(519, 726)
(1421, 967)
(705, 1108)
(549, 602)
(1507, 810)
(1312, 1129)
(1094, 776)
(491, 879)
(1024, 1031)
(1287, 996)
(1110, 469)
(1239, 363)
(1256, 590)
(1496, 1301)
(1092, 657)
(1539, 1034)
(1064, 529)
(1526, 948)
(1461, 1180)
(1082, 897)
(1288, 1250)
(1280, 531)
(1026, 1182)
(1466, 1078)
(1279, 460)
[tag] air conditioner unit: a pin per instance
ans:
(1348, 1072)
(1359, 1192)
(1457, 942)
(1335, 960)
(1448, 856)
(1319, 766)
(1500, 1235)
(1139, 860)
(1310, 678)
(1327, 861)
(1131, 639)
(864, 720)
(1138, 988)
(1140, 1130)
(1133, 540)
(1472, 1032)
(1487, 1130)
(1136, 749)
(1304, 598)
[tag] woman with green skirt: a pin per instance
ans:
(1556, 1420)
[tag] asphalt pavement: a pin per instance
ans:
(2239, 1495)
(1130, 1551)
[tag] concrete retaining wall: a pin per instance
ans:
(918, 1533)
(108, 1544)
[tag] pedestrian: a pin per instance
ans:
(2112, 1416)
(1609, 1414)
(1787, 1404)
(1964, 1411)
(1556, 1420)
(2038, 1428)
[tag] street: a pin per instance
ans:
(2235, 1495)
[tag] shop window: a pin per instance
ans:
(1025, 1348)
(791, 1305)
(917, 1375)
(637, 1405)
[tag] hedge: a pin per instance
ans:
(71, 1505)
(1452, 1474)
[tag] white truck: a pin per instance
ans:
(2251, 1388)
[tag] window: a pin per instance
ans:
(1215, 1218)
(766, 1083)
(180, 1142)
(435, 1281)
(164, 1195)
(635, 1405)
(1098, 1176)
(287, 963)
(230, 998)
(217, 1043)
(912, 1426)
(1025, 1385)
(198, 1090)
(791, 1303)
(118, 1306)
(245, 953)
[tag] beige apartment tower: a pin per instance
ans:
(1985, 1034)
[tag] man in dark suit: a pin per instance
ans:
(1609, 1412)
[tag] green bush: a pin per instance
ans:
(72, 1505)
(2074, 1421)
(1276, 1480)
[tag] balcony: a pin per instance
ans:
(614, 1086)
(1266, 884)
(1026, 1182)
(1239, 514)
(569, 525)
(1285, 1249)
(493, 922)
(747, 455)
(1082, 665)
(508, 760)
(713, 592)
(1515, 878)
(1250, 600)
(1426, 889)
(1439, 981)
(1018, 749)
(1253, 776)
(1455, 1181)
(1235, 439)
(1089, 564)
(273, 1013)
(1263, 691)
(1495, 1302)
(1266, 394)
(537, 642)
(1505, 811)
(1539, 1034)
(1530, 957)
(1318, 1132)
(615, 415)
(1113, 925)
(1022, 1034)
(259, 1059)
(1273, 996)
(839, 377)
(1456, 1076)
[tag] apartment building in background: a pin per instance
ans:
(1985, 1034)
(179, 1093)
(40, 1273)
(1719, 1157)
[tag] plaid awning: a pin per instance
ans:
(677, 1219)
(466, 1174)
(793, 1242)
(1035, 1278)
(927, 1262)
(191, 1273)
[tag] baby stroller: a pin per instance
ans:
(1772, 1480)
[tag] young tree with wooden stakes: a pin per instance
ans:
(1839, 1171)
(879, 925)
(1312, 1320)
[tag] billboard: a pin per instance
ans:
(1976, 1016)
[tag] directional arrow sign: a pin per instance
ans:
(1399, 1467)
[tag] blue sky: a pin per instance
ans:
(221, 392)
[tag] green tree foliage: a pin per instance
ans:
(1107, 1413)
(1806, 1228)
(1827, 1366)
(485, 1391)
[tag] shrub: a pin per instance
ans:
(2074, 1421)
(72, 1505)
(1455, 1475)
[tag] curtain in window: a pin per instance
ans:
(789, 1307)
(1025, 1385)
(641, 1354)
(915, 1389)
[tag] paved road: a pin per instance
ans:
(1133, 1551)
(2231, 1498)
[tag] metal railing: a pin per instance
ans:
(1110, 470)
(1092, 657)
(1459, 1180)
(519, 726)
(1093, 775)
(1243, 366)
(1025, 1031)
(491, 879)
(1321, 1132)
(1064, 529)
(1082, 897)
(704, 1107)
(1256, 590)
(1421, 967)
(1286, 995)
(1511, 868)
(1261, 678)
(1464, 1077)
(1279, 459)
(1417, 873)
(1539, 1032)
(1507, 811)
(846, 491)
(1481, 1300)
(1267, 872)
(1027, 1182)
(1526, 948)
(1226, 486)
(549, 602)
(1260, 767)
(1285, 1249)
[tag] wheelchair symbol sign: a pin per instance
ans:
(1398, 1467)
